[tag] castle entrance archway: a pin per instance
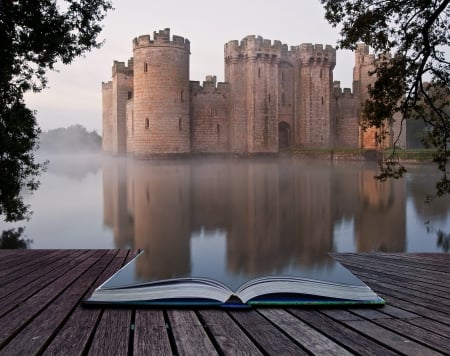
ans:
(283, 135)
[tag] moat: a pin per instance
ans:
(245, 208)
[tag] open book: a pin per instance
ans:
(340, 287)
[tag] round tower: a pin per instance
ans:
(161, 94)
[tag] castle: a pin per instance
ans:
(274, 97)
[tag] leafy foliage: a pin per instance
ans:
(415, 80)
(35, 35)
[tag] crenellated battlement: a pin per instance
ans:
(363, 55)
(318, 54)
(341, 93)
(107, 85)
(258, 47)
(209, 87)
(120, 67)
(161, 39)
(253, 47)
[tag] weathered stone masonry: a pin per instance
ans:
(274, 97)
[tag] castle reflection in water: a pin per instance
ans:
(272, 212)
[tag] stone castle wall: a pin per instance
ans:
(209, 112)
(107, 116)
(122, 87)
(346, 123)
(274, 97)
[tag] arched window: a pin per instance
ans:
(180, 127)
(145, 67)
(147, 123)
(259, 72)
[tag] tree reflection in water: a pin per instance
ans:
(443, 240)
(12, 239)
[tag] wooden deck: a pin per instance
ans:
(40, 312)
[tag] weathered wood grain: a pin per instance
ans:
(342, 335)
(41, 312)
(229, 337)
(266, 335)
(38, 331)
(150, 333)
(312, 340)
(189, 334)
(74, 335)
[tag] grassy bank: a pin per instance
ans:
(413, 155)
(417, 155)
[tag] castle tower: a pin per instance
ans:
(122, 88)
(161, 94)
(315, 91)
(107, 116)
(364, 64)
(369, 138)
(251, 68)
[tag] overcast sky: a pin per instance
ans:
(74, 93)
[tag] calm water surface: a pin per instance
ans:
(234, 209)
(235, 218)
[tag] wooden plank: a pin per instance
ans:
(189, 335)
(14, 271)
(431, 325)
(17, 318)
(418, 309)
(40, 283)
(312, 340)
(371, 314)
(150, 333)
(430, 339)
(397, 312)
(409, 292)
(16, 258)
(35, 278)
(112, 334)
(265, 334)
(342, 335)
(393, 340)
(73, 337)
(397, 280)
(423, 263)
(410, 298)
(416, 282)
(227, 334)
(37, 333)
(118, 336)
(412, 270)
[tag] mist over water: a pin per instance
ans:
(251, 214)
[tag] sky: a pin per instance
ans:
(73, 95)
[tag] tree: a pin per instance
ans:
(35, 35)
(415, 79)
(71, 139)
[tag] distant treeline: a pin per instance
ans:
(71, 139)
